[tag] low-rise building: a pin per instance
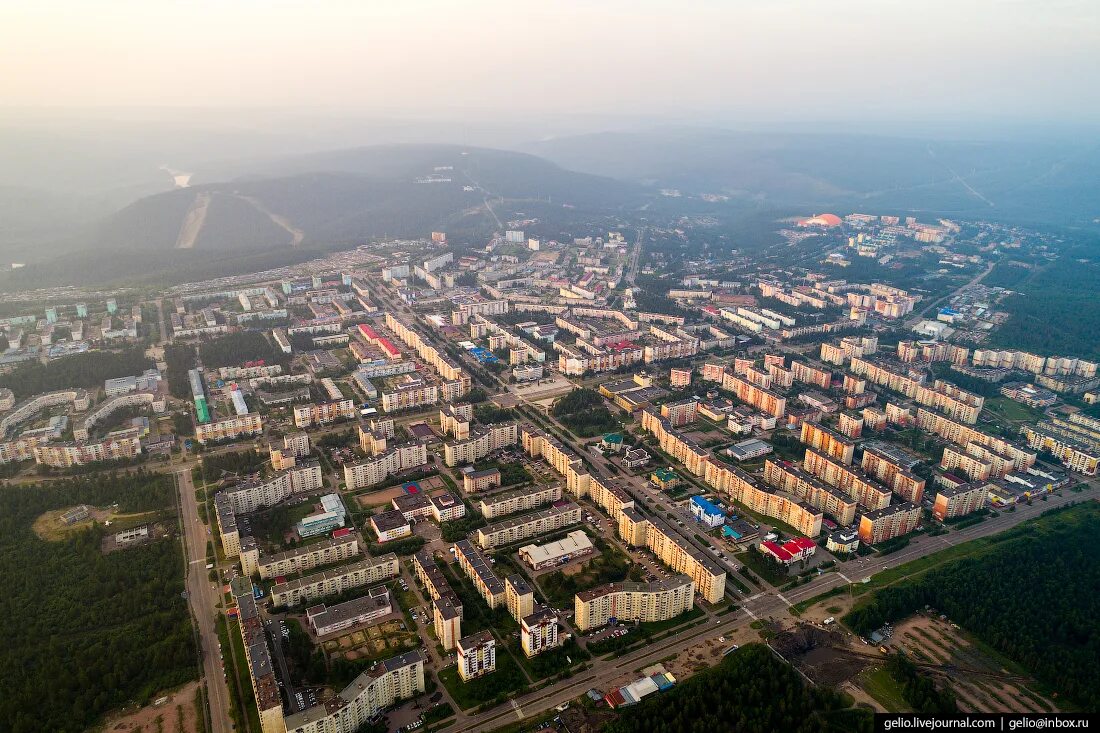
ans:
(573, 545)
(326, 620)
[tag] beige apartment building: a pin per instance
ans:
(643, 602)
(368, 571)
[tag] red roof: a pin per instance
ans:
(776, 550)
(343, 532)
(798, 543)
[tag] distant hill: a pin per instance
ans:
(1027, 181)
(275, 210)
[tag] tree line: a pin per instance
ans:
(1031, 595)
(750, 691)
(88, 370)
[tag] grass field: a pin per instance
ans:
(878, 683)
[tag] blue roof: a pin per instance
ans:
(727, 532)
(706, 505)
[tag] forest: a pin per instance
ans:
(751, 691)
(1031, 595)
(79, 370)
(180, 358)
(584, 413)
(234, 349)
(1055, 311)
(86, 633)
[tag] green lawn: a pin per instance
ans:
(497, 685)
(1011, 410)
(878, 683)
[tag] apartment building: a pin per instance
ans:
(1075, 454)
(517, 529)
(681, 557)
(229, 428)
(643, 602)
(323, 413)
(519, 596)
(474, 481)
(477, 656)
(300, 559)
(802, 485)
(228, 531)
(257, 654)
(117, 445)
(478, 570)
(746, 490)
(821, 378)
(943, 396)
(958, 501)
(959, 460)
(828, 441)
(892, 467)
(850, 425)
(867, 492)
(889, 522)
(455, 419)
(368, 571)
(680, 413)
(510, 502)
(679, 446)
(538, 632)
(412, 393)
(379, 468)
(248, 496)
(374, 690)
(762, 399)
(447, 367)
(482, 441)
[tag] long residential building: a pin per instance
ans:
(117, 445)
(257, 654)
(377, 688)
(643, 602)
(229, 428)
(811, 375)
(378, 468)
(1074, 440)
(323, 413)
(947, 398)
(517, 529)
(889, 522)
(974, 467)
(368, 571)
(866, 491)
(676, 444)
(762, 399)
(482, 442)
(748, 491)
(447, 367)
(478, 570)
(963, 435)
(249, 496)
(882, 462)
(510, 502)
(808, 488)
(300, 559)
(828, 441)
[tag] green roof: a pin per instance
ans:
(665, 474)
(612, 438)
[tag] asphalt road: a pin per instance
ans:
(203, 597)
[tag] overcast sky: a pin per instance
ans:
(707, 61)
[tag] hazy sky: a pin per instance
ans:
(750, 59)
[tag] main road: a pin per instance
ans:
(203, 597)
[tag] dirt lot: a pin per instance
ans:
(177, 714)
(981, 681)
(48, 526)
